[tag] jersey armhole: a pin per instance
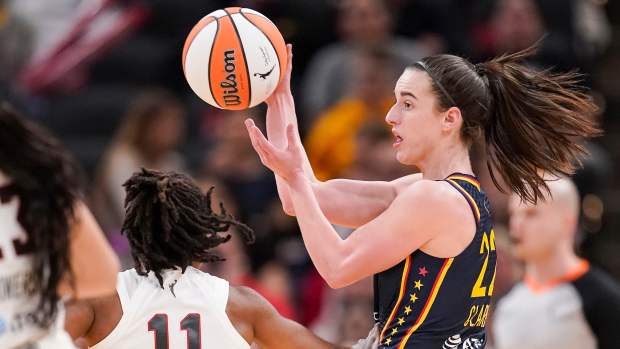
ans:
(470, 201)
(122, 291)
(127, 285)
(221, 288)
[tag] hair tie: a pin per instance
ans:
(437, 83)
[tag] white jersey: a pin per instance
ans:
(18, 300)
(188, 313)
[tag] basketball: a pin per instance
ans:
(234, 58)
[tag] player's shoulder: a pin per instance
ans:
(129, 277)
(246, 303)
(431, 195)
(205, 278)
(244, 297)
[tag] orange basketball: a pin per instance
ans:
(234, 58)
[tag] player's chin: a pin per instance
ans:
(404, 157)
(400, 157)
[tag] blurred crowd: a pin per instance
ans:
(105, 76)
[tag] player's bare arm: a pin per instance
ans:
(408, 220)
(90, 320)
(93, 262)
(345, 202)
(406, 226)
(259, 322)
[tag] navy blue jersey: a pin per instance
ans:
(429, 302)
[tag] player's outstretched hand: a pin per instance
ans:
(284, 87)
(286, 162)
(370, 342)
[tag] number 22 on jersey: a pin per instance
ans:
(487, 245)
(190, 324)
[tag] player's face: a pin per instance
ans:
(414, 117)
(535, 230)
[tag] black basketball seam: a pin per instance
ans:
(245, 60)
(268, 39)
(217, 29)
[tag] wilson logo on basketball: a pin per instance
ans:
(234, 58)
(229, 85)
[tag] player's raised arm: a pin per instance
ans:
(280, 114)
(345, 202)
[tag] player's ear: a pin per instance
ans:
(452, 119)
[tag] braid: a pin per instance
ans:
(170, 223)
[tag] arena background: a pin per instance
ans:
(105, 76)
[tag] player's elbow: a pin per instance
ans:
(336, 278)
(336, 281)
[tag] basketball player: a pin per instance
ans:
(428, 238)
(51, 248)
(166, 301)
(562, 302)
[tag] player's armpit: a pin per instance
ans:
(79, 317)
(270, 329)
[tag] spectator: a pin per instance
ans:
(331, 141)
(231, 161)
(330, 74)
(151, 131)
(517, 24)
(562, 302)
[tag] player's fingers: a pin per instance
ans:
(248, 125)
(254, 138)
(268, 150)
(284, 86)
(289, 61)
(264, 158)
(262, 142)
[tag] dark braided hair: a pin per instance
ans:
(47, 181)
(170, 223)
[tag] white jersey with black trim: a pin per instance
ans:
(19, 301)
(188, 312)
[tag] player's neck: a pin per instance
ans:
(197, 265)
(552, 268)
(445, 161)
